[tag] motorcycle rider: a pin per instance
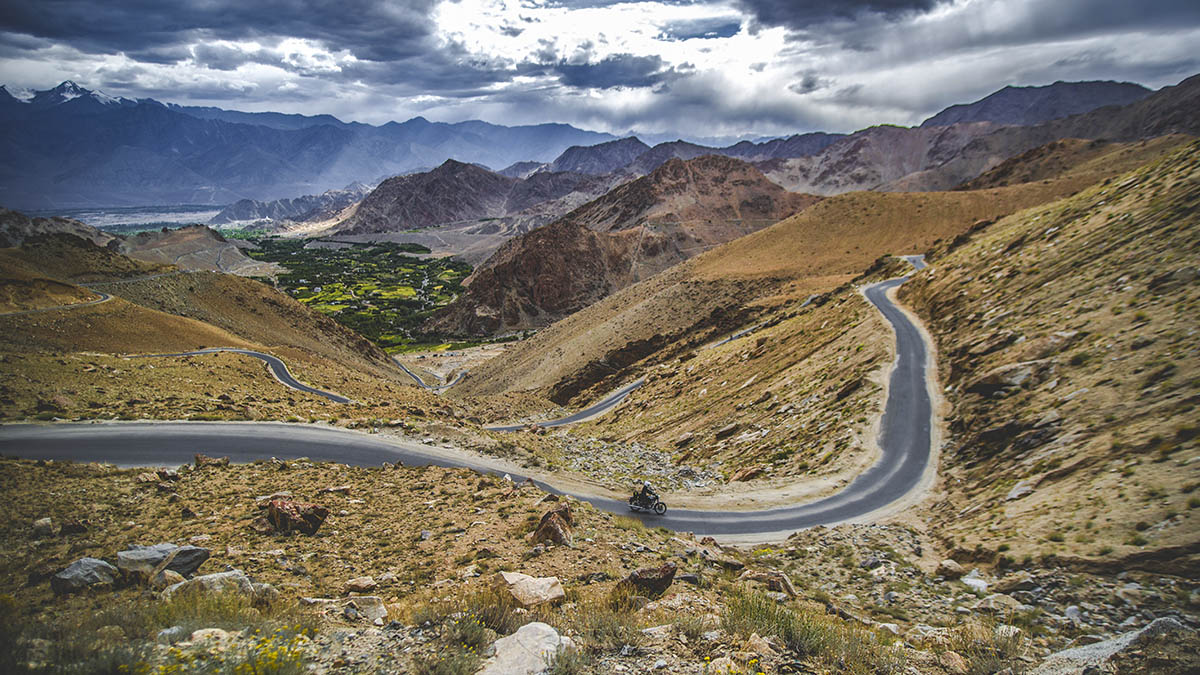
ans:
(647, 495)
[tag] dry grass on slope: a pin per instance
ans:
(796, 397)
(1076, 159)
(1069, 338)
(257, 313)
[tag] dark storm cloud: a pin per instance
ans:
(370, 30)
(618, 70)
(802, 15)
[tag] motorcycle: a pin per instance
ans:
(640, 502)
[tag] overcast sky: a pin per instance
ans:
(699, 68)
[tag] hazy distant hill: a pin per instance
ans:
(1033, 105)
(307, 207)
(69, 146)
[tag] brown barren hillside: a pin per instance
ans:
(1069, 347)
(630, 234)
(68, 362)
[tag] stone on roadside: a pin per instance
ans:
(204, 460)
(531, 591)
(529, 651)
(83, 573)
(286, 515)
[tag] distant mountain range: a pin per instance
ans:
(71, 147)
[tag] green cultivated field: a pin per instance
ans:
(380, 290)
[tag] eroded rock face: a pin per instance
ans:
(83, 573)
(1097, 657)
(286, 515)
(531, 591)
(528, 651)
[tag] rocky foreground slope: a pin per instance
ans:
(1068, 346)
(311, 567)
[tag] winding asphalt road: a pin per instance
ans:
(104, 297)
(608, 403)
(421, 383)
(278, 368)
(905, 440)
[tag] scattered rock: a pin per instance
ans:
(205, 461)
(529, 651)
(746, 473)
(369, 607)
(169, 636)
(43, 527)
(1019, 490)
(555, 526)
(649, 581)
(954, 663)
(760, 646)
(950, 569)
(342, 489)
(726, 431)
(531, 591)
(75, 526)
(360, 585)
(231, 581)
(290, 516)
(83, 573)
(997, 603)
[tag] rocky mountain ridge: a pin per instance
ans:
(632, 232)
(1026, 106)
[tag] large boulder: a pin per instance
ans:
(650, 581)
(529, 651)
(233, 581)
(286, 515)
(555, 526)
(83, 573)
(531, 591)
(950, 569)
(144, 562)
